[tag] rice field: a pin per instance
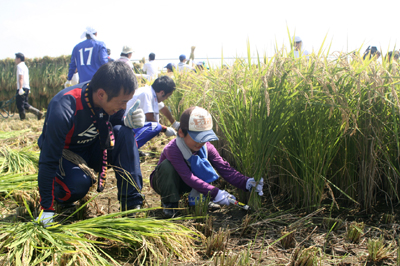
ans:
(322, 133)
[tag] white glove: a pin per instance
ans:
(21, 91)
(68, 84)
(135, 117)
(176, 125)
(45, 218)
(222, 198)
(251, 182)
(169, 132)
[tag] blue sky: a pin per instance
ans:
(169, 28)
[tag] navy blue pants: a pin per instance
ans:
(124, 158)
(146, 133)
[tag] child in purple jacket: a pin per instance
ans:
(190, 163)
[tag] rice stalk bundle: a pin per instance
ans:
(18, 161)
(88, 242)
(11, 182)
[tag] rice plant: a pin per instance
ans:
(354, 232)
(377, 250)
(88, 242)
(332, 224)
(18, 161)
(287, 239)
(305, 256)
(12, 182)
(232, 259)
(217, 242)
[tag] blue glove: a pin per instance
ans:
(251, 182)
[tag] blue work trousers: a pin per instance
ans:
(125, 161)
(146, 133)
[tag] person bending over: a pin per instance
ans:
(85, 122)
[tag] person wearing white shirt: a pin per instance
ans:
(150, 67)
(151, 102)
(182, 66)
(23, 88)
(298, 48)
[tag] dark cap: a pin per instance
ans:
(198, 122)
(20, 56)
(170, 66)
(182, 57)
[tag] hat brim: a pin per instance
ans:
(203, 136)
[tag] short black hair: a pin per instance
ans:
(164, 83)
(20, 56)
(122, 54)
(108, 51)
(184, 131)
(112, 78)
(152, 56)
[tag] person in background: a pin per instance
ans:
(23, 89)
(371, 52)
(150, 68)
(87, 56)
(299, 48)
(126, 56)
(392, 55)
(109, 55)
(85, 123)
(151, 102)
(199, 66)
(170, 67)
(189, 163)
(182, 65)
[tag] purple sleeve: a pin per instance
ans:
(224, 169)
(174, 155)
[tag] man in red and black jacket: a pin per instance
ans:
(87, 119)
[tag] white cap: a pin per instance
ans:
(297, 39)
(89, 30)
(127, 49)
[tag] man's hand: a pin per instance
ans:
(45, 218)
(170, 132)
(135, 117)
(176, 125)
(68, 84)
(21, 91)
(222, 198)
(251, 182)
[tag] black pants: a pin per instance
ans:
(22, 101)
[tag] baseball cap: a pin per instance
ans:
(127, 49)
(20, 56)
(198, 122)
(182, 57)
(297, 39)
(170, 66)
